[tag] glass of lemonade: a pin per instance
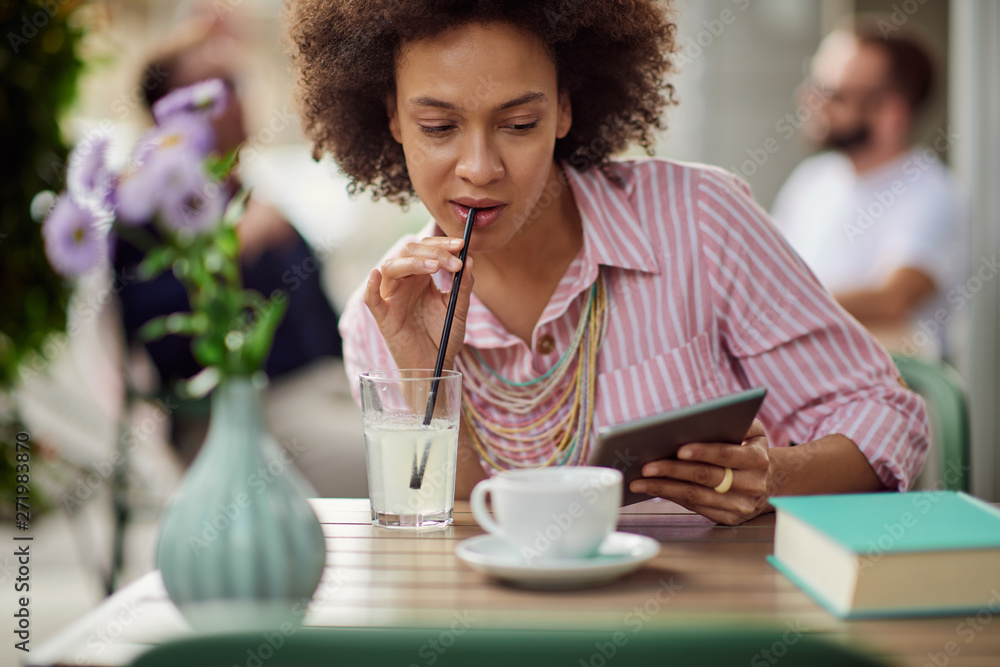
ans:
(411, 466)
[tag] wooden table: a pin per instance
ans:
(705, 575)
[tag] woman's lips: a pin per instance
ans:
(485, 216)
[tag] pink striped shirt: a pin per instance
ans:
(705, 299)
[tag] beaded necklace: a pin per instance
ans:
(514, 439)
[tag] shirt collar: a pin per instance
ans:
(613, 233)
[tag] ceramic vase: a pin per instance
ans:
(240, 547)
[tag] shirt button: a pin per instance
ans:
(546, 344)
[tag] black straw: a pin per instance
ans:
(417, 474)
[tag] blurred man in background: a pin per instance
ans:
(875, 217)
(304, 363)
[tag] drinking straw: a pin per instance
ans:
(417, 474)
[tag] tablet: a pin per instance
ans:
(628, 447)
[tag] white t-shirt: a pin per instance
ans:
(855, 230)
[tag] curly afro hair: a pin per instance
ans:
(611, 57)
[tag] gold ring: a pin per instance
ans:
(727, 481)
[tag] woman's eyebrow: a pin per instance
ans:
(527, 98)
(425, 101)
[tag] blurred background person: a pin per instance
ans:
(874, 216)
(304, 359)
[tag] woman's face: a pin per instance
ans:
(478, 110)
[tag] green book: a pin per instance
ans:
(891, 554)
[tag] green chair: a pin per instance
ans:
(443, 647)
(941, 388)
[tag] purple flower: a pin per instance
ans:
(207, 98)
(74, 244)
(177, 173)
(188, 199)
(161, 159)
(199, 209)
(171, 183)
(136, 198)
(89, 177)
(184, 131)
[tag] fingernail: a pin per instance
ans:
(430, 263)
(684, 453)
(454, 263)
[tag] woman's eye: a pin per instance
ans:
(523, 127)
(435, 129)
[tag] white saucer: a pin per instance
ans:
(619, 554)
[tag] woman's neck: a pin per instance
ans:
(517, 282)
(546, 244)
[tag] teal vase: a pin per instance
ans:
(240, 547)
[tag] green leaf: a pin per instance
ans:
(218, 167)
(227, 243)
(258, 342)
(214, 261)
(206, 296)
(198, 273)
(156, 262)
(153, 329)
(182, 324)
(177, 323)
(235, 208)
(208, 351)
(182, 268)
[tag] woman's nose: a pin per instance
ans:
(479, 162)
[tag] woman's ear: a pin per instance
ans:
(390, 109)
(564, 120)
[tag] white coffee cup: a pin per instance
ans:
(551, 513)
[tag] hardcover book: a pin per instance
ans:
(891, 554)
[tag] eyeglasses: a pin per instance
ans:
(850, 95)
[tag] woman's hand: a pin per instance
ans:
(692, 480)
(410, 309)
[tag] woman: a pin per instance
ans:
(595, 292)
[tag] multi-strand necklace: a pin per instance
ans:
(509, 434)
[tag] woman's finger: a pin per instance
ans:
(449, 243)
(695, 495)
(373, 295)
(441, 254)
(706, 474)
(752, 454)
(396, 269)
(728, 517)
(465, 289)
(756, 430)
